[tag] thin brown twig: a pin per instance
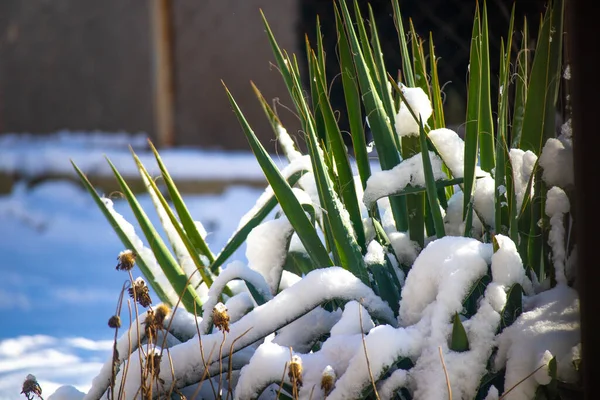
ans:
(521, 381)
(445, 373)
(203, 359)
(204, 375)
(126, 368)
(282, 380)
(229, 372)
(115, 357)
(137, 321)
(221, 361)
(362, 332)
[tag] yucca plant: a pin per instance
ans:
(446, 272)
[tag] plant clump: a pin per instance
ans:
(433, 270)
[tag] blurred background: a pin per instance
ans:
(83, 78)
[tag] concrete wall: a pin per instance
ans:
(86, 64)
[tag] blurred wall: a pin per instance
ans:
(87, 65)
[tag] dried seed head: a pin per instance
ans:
(139, 291)
(327, 379)
(150, 324)
(295, 370)
(155, 319)
(31, 387)
(153, 362)
(114, 322)
(160, 314)
(126, 260)
(221, 317)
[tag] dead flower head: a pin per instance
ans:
(221, 317)
(153, 362)
(155, 319)
(295, 370)
(114, 322)
(161, 313)
(31, 387)
(327, 379)
(126, 260)
(139, 291)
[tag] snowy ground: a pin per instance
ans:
(58, 284)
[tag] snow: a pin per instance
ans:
(557, 205)
(287, 144)
(567, 72)
(300, 333)
(522, 167)
(419, 103)
(317, 287)
(397, 380)
(405, 249)
(384, 345)
(267, 365)
(451, 149)
(184, 259)
(566, 130)
(66, 393)
(375, 253)
(350, 323)
(441, 281)
(31, 156)
(234, 270)
(550, 323)
(408, 172)
(267, 247)
(507, 266)
(453, 221)
(557, 162)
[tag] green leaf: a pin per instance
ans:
(407, 72)
(298, 263)
(513, 307)
(539, 117)
(440, 184)
(342, 165)
(459, 341)
(285, 196)
(384, 92)
(353, 107)
(430, 183)
(470, 302)
(521, 84)
(239, 237)
(489, 379)
(187, 221)
(345, 240)
(501, 175)
(162, 202)
(437, 105)
(535, 236)
(471, 124)
(378, 119)
(141, 262)
(385, 285)
(172, 270)
(485, 120)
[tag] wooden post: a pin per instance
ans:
(162, 71)
(582, 39)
